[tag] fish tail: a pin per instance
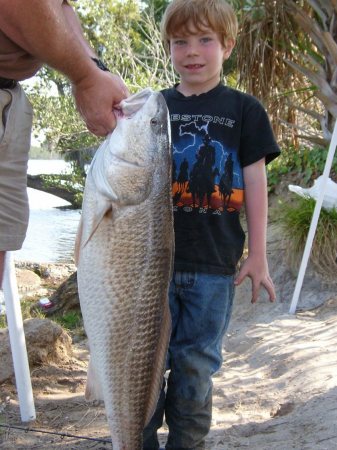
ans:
(93, 388)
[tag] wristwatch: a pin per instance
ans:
(100, 64)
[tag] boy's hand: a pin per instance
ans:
(257, 270)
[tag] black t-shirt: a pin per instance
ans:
(214, 135)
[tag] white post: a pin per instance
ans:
(18, 341)
(314, 221)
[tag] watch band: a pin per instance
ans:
(100, 64)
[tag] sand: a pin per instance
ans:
(277, 388)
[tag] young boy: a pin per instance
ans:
(221, 141)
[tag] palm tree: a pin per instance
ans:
(319, 62)
(287, 57)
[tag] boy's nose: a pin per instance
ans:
(192, 49)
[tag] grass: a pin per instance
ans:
(3, 322)
(26, 311)
(71, 320)
(296, 218)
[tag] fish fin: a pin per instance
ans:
(105, 209)
(81, 240)
(159, 364)
(93, 387)
(95, 224)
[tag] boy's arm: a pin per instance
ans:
(256, 201)
(51, 32)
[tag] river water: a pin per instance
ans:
(51, 230)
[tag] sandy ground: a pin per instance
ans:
(277, 388)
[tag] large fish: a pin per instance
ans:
(124, 256)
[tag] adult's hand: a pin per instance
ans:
(96, 96)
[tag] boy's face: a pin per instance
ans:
(198, 57)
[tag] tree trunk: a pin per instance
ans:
(38, 182)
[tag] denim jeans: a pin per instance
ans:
(201, 306)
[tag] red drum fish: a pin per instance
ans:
(124, 250)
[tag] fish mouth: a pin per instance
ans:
(162, 113)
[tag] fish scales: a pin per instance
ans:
(124, 267)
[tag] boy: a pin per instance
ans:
(221, 141)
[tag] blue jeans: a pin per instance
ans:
(201, 306)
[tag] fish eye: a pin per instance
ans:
(154, 121)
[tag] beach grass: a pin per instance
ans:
(295, 218)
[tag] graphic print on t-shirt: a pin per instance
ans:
(205, 176)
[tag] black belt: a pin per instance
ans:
(6, 83)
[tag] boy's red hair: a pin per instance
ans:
(215, 14)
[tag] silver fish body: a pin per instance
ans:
(124, 259)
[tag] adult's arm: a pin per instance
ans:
(50, 31)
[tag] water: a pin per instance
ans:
(51, 231)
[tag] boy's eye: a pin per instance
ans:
(179, 42)
(205, 39)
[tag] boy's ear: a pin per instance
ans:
(228, 48)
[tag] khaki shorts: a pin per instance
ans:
(15, 131)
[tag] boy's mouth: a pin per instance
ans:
(194, 66)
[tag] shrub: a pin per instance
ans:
(295, 219)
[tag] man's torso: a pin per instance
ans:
(15, 62)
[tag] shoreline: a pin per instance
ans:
(41, 279)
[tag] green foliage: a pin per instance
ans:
(28, 311)
(302, 165)
(3, 321)
(110, 30)
(73, 183)
(155, 8)
(41, 153)
(70, 320)
(295, 219)
(56, 117)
